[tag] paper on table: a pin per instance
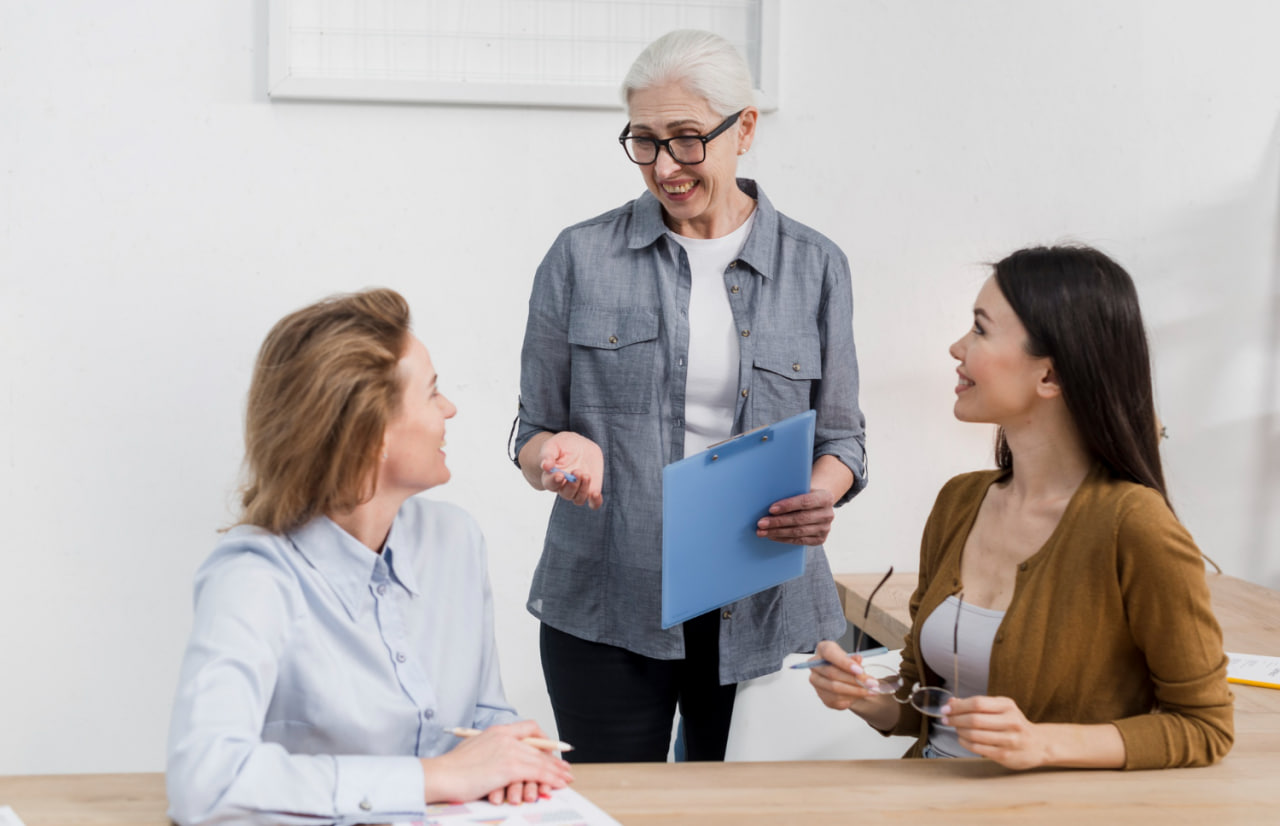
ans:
(1253, 669)
(565, 808)
(9, 818)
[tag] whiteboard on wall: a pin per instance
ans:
(567, 53)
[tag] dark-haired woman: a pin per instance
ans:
(345, 624)
(1085, 631)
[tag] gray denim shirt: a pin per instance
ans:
(605, 355)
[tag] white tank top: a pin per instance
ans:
(977, 631)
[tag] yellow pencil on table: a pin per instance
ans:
(537, 742)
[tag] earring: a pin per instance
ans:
(384, 456)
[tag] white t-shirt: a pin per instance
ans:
(711, 381)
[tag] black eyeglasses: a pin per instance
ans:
(687, 150)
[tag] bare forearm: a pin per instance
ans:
(881, 712)
(831, 474)
(530, 465)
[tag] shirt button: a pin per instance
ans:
(680, 361)
(382, 589)
(796, 367)
(428, 714)
(679, 422)
(613, 339)
(733, 264)
(734, 289)
(365, 805)
(746, 333)
(400, 657)
(744, 392)
(727, 615)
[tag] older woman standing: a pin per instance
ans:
(695, 312)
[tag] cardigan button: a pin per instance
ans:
(1022, 566)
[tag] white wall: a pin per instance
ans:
(158, 213)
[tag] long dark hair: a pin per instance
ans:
(1080, 310)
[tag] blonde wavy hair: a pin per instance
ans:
(325, 386)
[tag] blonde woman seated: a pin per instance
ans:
(1077, 599)
(344, 624)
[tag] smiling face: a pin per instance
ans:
(999, 381)
(413, 442)
(700, 200)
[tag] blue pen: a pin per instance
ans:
(870, 652)
(568, 477)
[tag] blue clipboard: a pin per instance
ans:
(711, 502)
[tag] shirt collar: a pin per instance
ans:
(647, 227)
(347, 565)
(400, 565)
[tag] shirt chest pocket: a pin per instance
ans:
(615, 358)
(786, 371)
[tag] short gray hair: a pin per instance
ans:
(703, 62)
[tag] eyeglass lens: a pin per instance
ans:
(685, 150)
(928, 700)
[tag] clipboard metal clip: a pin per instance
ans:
(733, 444)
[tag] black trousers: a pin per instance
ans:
(616, 706)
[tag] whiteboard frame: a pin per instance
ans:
(283, 84)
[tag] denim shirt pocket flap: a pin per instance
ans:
(793, 357)
(605, 328)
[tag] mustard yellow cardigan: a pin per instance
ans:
(1110, 623)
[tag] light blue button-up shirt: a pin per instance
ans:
(319, 672)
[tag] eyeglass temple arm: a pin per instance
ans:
(866, 612)
(955, 648)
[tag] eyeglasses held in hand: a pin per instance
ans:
(686, 150)
(928, 700)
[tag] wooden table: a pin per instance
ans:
(1240, 790)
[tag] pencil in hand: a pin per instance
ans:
(536, 742)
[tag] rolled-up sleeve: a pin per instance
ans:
(840, 428)
(544, 358)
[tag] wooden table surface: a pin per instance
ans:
(1240, 790)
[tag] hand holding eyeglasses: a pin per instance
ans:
(994, 727)
(877, 680)
(843, 682)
